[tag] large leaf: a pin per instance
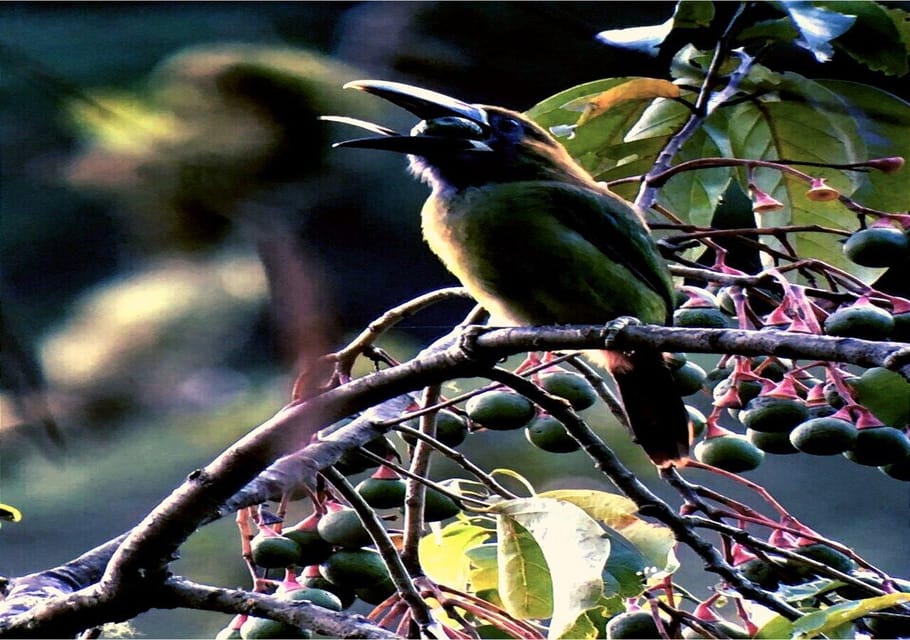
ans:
(883, 123)
(803, 121)
(822, 621)
(575, 550)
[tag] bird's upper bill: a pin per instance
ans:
(447, 125)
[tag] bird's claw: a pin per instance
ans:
(614, 327)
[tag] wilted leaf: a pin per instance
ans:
(611, 509)
(820, 622)
(634, 89)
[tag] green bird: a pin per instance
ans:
(537, 241)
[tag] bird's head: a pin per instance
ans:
(459, 145)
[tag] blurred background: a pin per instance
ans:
(177, 237)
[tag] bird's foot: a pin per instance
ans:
(614, 327)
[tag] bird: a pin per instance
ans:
(536, 240)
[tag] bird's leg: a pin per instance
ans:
(614, 327)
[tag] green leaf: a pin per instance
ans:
(874, 40)
(693, 13)
(626, 566)
(817, 26)
(696, 194)
(525, 585)
(882, 121)
(803, 121)
(575, 548)
(483, 574)
(443, 553)
(886, 394)
(820, 622)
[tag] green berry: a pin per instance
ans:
(570, 386)
(879, 446)
(273, 552)
(438, 506)
(343, 527)
(319, 597)
(313, 549)
(634, 624)
(697, 421)
(824, 436)
(382, 493)
(500, 410)
(772, 414)
(547, 433)
(860, 321)
(732, 453)
(877, 247)
(689, 378)
(701, 317)
(451, 429)
(777, 443)
(354, 568)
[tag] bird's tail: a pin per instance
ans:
(657, 415)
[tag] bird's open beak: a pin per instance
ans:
(447, 125)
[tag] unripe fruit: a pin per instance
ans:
(376, 593)
(438, 506)
(764, 574)
(344, 595)
(570, 386)
(860, 321)
(828, 556)
(878, 446)
(500, 410)
(451, 429)
(547, 433)
(689, 378)
(877, 246)
(732, 453)
(634, 624)
(313, 549)
(319, 597)
(343, 527)
(354, 568)
(745, 389)
(777, 443)
(701, 317)
(824, 436)
(274, 551)
(382, 493)
(773, 414)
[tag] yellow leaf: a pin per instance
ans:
(635, 89)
